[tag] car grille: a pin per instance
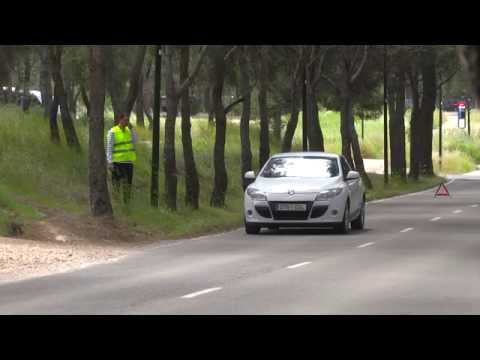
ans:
(263, 211)
(290, 215)
(318, 211)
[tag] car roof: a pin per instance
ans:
(310, 153)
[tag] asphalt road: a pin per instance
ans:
(418, 255)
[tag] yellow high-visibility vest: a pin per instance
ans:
(123, 147)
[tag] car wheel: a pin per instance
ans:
(251, 229)
(345, 226)
(359, 222)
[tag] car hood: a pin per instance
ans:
(299, 185)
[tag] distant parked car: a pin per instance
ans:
(311, 189)
(13, 95)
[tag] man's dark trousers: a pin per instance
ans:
(122, 176)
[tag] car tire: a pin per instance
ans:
(345, 226)
(252, 229)
(359, 222)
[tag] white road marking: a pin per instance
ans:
(436, 218)
(474, 206)
(458, 211)
(407, 230)
(299, 265)
(365, 245)
(203, 292)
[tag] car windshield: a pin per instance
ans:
(306, 166)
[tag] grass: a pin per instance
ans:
(37, 175)
(371, 145)
(397, 187)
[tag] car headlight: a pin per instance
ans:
(256, 194)
(329, 194)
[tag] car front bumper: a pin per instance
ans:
(319, 213)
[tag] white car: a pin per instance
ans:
(310, 189)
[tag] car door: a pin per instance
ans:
(353, 186)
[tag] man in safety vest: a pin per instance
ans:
(121, 155)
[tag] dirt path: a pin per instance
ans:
(20, 259)
(66, 242)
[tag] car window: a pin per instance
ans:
(345, 166)
(301, 166)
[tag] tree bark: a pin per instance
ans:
(293, 121)
(221, 177)
(192, 184)
(60, 96)
(75, 104)
(264, 152)
(120, 103)
(173, 97)
(26, 82)
(357, 156)
(314, 131)
(100, 204)
(85, 99)
(315, 135)
(169, 143)
(139, 105)
(54, 132)
(350, 143)
(415, 129)
(135, 79)
(396, 99)
(277, 125)
(113, 86)
(429, 98)
(246, 146)
(345, 127)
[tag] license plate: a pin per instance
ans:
(291, 207)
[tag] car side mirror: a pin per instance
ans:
(353, 175)
(249, 178)
(250, 175)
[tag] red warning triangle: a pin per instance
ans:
(442, 191)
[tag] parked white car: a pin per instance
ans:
(310, 189)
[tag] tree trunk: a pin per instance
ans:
(100, 204)
(60, 96)
(70, 95)
(139, 105)
(350, 143)
(54, 132)
(429, 98)
(86, 101)
(264, 152)
(114, 87)
(75, 104)
(315, 135)
(150, 119)
(26, 83)
(120, 103)
(357, 156)
(415, 142)
(396, 101)
(192, 184)
(277, 125)
(135, 80)
(169, 144)
(245, 119)
(345, 128)
(293, 121)
(221, 177)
